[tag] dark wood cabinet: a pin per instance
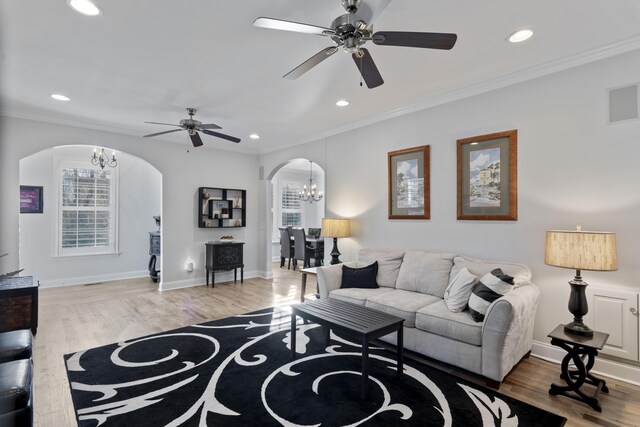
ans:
(222, 207)
(154, 251)
(18, 304)
(224, 256)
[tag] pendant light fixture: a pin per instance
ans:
(309, 194)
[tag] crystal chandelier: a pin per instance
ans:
(102, 159)
(309, 194)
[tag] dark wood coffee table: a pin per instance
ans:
(356, 321)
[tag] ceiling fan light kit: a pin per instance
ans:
(350, 32)
(192, 127)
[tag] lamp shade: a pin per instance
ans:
(334, 227)
(581, 250)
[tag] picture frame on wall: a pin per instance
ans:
(31, 199)
(488, 177)
(409, 183)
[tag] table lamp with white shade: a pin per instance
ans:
(335, 227)
(580, 250)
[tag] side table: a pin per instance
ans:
(582, 351)
(306, 271)
(18, 304)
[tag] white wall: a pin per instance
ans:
(183, 171)
(140, 195)
(573, 168)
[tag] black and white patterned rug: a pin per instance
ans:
(238, 372)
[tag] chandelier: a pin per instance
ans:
(102, 159)
(309, 194)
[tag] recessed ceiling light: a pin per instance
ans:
(342, 103)
(254, 136)
(60, 97)
(85, 7)
(520, 35)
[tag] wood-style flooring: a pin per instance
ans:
(81, 317)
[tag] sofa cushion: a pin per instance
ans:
(402, 304)
(15, 385)
(479, 267)
(389, 262)
(15, 345)
(425, 272)
(364, 277)
(438, 319)
(488, 289)
(357, 295)
(458, 292)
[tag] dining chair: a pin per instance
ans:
(301, 250)
(286, 247)
(315, 232)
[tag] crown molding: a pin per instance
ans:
(551, 67)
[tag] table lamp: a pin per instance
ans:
(334, 227)
(580, 250)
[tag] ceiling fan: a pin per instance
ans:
(193, 127)
(351, 32)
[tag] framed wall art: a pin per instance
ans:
(488, 177)
(409, 183)
(30, 199)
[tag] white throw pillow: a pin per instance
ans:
(458, 292)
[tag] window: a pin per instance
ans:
(87, 210)
(291, 209)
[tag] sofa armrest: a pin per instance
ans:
(507, 332)
(330, 278)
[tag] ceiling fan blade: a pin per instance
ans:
(409, 39)
(310, 63)
(168, 124)
(297, 27)
(222, 135)
(195, 139)
(368, 69)
(162, 133)
(209, 126)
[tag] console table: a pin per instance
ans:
(154, 251)
(582, 351)
(224, 256)
(18, 304)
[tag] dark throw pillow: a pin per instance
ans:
(364, 277)
(488, 289)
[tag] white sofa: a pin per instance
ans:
(412, 285)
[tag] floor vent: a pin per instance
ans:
(91, 284)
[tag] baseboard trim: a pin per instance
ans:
(606, 367)
(200, 280)
(87, 280)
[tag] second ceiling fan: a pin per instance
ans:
(351, 32)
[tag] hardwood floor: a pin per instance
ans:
(81, 317)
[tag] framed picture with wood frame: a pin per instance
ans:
(488, 177)
(409, 183)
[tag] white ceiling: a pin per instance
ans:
(149, 59)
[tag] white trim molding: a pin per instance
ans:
(606, 367)
(200, 280)
(90, 280)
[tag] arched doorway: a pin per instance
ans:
(95, 223)
(284, 207)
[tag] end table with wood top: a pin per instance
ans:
(582, 351)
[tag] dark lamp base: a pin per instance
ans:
(578, 328)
